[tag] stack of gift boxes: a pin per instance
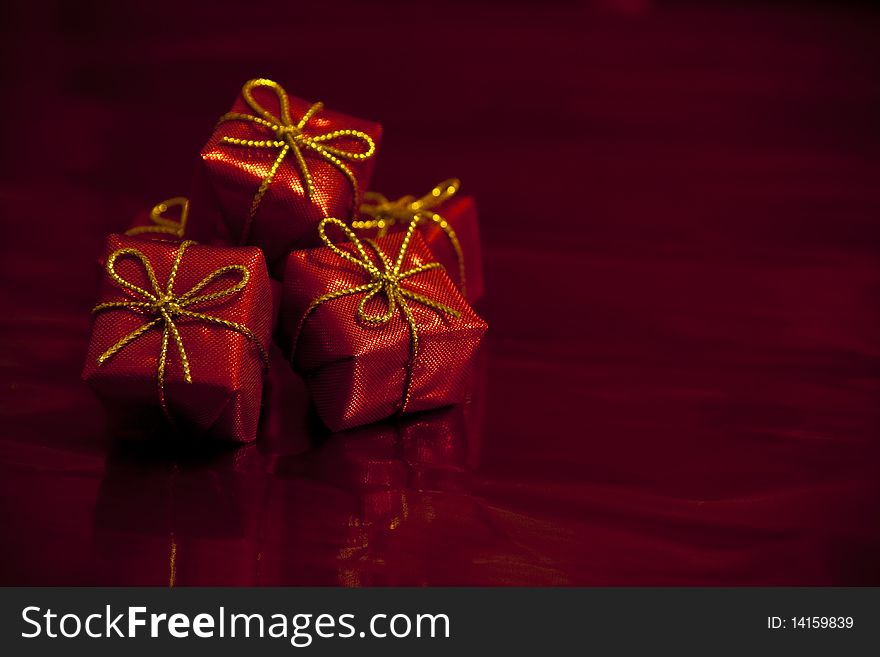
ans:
(280, 239)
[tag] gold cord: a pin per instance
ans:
(387, 280)
(162, 224)
(290, 138)
(162, 306)
(384, 214)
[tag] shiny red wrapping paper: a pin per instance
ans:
(460, 212)
(229, 176)
(223, 400)
(357, 372)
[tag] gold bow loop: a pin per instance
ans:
(289, 137)
(162, 224)
(386, 278)
(384, 214)
(164, 306)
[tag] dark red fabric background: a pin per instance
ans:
(679, 208)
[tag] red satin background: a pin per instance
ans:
(679, 218)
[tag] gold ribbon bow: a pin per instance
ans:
(164, 306)
(384, 214)
(290, 138)
(162, 224)
(385, 278)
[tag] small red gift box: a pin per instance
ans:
(447, 223)
(276, 165)
(377, 329)
(181, 331)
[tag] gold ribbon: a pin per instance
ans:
(384, 214)
(290, 138)
(163, 306)
(162, 224)
(387, 279)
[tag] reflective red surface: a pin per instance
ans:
(679, 211)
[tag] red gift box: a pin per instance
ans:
(276, 165)
(377, 329)
(180, 336)
(447, 222)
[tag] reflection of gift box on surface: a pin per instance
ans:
(276, 165)
(378, 328)
(447, 223)
(178, 518)
(425, 451)
(181, 332)
(361, 458)
(438, 448)
(394, 471)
